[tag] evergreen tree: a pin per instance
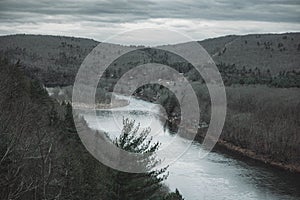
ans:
(137, 186)
(174, 196)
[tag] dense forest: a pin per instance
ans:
(262, 119)
(42, 157)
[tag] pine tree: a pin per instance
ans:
(137, 186)
(174, 196)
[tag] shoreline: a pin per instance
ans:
(258, 157)
(223, 146)
(117, 104)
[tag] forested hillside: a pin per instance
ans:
(54, 60)
(261, 122)
(42, 157)
(274, 52)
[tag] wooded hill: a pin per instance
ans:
(54, 60)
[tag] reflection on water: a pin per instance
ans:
(216, 176)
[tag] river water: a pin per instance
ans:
(217, 176)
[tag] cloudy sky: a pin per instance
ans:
(101, 19)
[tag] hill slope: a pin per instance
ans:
(277, 52)
(54, 60)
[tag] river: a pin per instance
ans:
(217, 176)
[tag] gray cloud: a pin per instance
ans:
(264, 10)
(26, 14)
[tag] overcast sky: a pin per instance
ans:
(100, 19)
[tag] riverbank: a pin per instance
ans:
(116, 104)
(64, 94)
(225, 146)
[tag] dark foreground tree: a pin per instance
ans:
(136, 186)
(174, 196)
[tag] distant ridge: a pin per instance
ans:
(56, 59)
